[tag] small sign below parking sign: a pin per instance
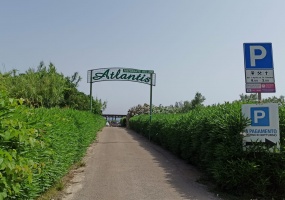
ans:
(260, 87)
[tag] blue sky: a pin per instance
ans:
(192, 45)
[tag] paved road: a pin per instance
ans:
(123, 165)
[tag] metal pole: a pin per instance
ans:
(91, 91)
(150, 106)
(259, 97)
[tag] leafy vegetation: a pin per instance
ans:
(45, 87)
(251, 98)
(210, 137)
(42, 133)
(45, 127)
(37, 146)
(179, 107)
(15, 136)
(123, 121)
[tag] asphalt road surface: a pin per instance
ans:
(123, 165)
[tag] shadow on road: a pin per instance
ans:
(180, 175)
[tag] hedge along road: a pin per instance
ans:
(123, 165)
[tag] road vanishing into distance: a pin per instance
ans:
(123, 165)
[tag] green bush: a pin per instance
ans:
(38, 146)
(67, 134)
(46, 87)
(123, 121)
(15, 137)
(210, 138)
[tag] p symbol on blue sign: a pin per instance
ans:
(259, 116)
(258, 55)
(257, 52)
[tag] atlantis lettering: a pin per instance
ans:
(117, 75)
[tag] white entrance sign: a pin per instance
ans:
(264, 125)
(121, 74)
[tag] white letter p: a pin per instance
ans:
(258, 114)
(253, 56)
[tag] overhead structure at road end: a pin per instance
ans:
(122, 74)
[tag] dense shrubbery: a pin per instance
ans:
(37, 146)
(179, 107)
(15, 137)
(123, 122)
(45, 87)
(210, 137)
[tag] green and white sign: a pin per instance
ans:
(121, 74)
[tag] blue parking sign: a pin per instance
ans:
(259, 116)
(258, 55)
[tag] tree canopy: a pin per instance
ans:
(45, 87)
(179, 107)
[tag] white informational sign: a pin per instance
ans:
(264, 125)
(121, 74)
(259, 76)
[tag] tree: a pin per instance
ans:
(138, 110)
(194, 103)
(198, 100)
(248, 98)
(179, 107)
(274, 99)
(41, 87)
(45, 87)
(253, 97)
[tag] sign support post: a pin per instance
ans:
(259, 97)
(91, 92)
(150, 106)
